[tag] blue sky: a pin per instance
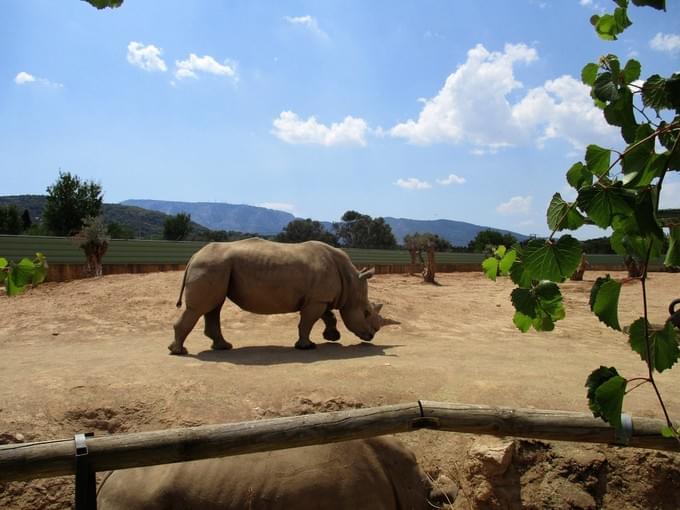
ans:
(425, 109)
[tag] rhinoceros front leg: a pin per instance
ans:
(308, 316)
(331, 331)
(213, 330)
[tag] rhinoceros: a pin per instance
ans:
(267, 277)
(371, 474)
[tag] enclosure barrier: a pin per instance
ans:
(44, 459)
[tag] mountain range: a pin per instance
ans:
(248, 218)
(146, 217)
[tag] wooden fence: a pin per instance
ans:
(57, 458)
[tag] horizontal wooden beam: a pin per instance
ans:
(544, 424)
(56, 458)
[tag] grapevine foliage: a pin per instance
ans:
(17, 275)
(615, 190)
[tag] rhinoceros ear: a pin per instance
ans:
(366, 273)
(377, 307)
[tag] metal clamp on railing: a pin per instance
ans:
(624, 434)
(86, 481)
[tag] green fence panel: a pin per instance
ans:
(63, 250)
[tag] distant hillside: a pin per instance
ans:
(458, 233)
(145, 218)
(143, 222)
(220, 216)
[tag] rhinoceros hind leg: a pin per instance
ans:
(331, 331)
(213, 329)
(183, 327)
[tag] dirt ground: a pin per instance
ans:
(91, 355)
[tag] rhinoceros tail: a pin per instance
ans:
(184, 281)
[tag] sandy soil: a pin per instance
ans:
(91, 355)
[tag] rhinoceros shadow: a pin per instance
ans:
(278, 355)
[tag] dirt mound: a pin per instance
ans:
(514, 474)
(309, 405)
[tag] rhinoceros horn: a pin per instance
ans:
(389, 322)
(366, 273)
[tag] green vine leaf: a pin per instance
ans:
(507, 261)
(490, 268)
(605, 89)
(656, 4)
(663, 344)
(620, 113)
(606, 389)
(603, 203)
(4, 270)
(597, 159)
(550, 260)
(589, 73)
(540, 306)
(563, 215)
(645, 214)
(578, 176)
(604, 301)
(673, 254)
(631, 71)
(654, 93)
(670, 432)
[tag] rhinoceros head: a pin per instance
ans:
(361, 316)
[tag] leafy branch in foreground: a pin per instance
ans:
(17, 275)
(618, 190)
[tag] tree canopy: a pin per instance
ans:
(300, 230)
(493, 238)
(358, 230)
(69, 201)
(177, 227)
(10, 222)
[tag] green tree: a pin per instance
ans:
(117, 231)
(103, 4)
(490, 238)
(358, 230)
(94, 241)
(299, 230)
(69, 201)
(26, 220)
(177, 227)
(10, 222)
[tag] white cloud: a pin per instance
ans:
(670, 195)
(278, 206)
(586, 2)
(145, 57)
(474, 107)
(516, 205)
(670, 43)
(23, 78)
(308, 22)
(412, 183)
(291, 129)
(206, 64)
(563, 108)
(451, 179)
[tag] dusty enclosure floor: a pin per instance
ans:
(92, 355)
